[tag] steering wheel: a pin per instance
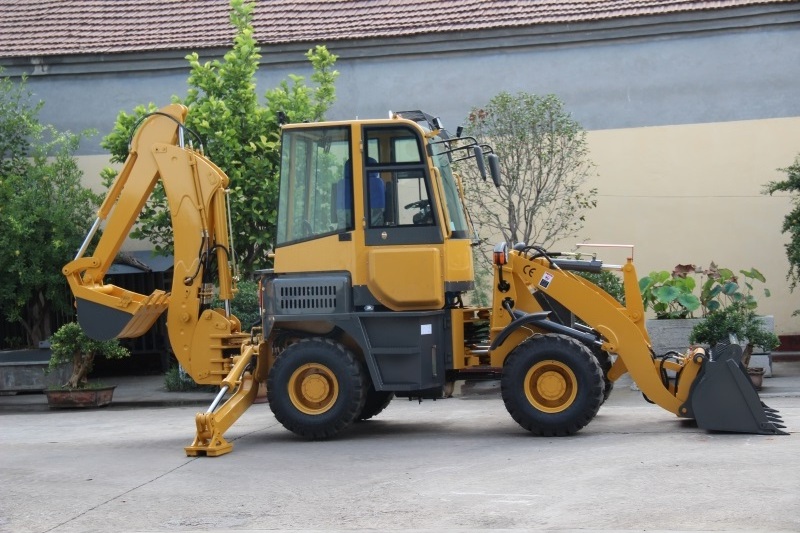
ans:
(419, 204)
(424, 216)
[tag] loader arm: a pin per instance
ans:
(621, 328)
(712, 390)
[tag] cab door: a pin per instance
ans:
(403, 228)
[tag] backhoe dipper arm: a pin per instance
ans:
(195, 190)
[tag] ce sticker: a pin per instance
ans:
(546, 279)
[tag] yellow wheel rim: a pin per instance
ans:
(550, 386)
(313, 389)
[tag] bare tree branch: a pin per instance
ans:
(544, 161)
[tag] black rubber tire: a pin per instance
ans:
(604, 359)
(375, 403)
(552, 385)
(316, 388)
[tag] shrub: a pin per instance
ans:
(244, 304)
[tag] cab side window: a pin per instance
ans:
(396, 178)
(316, 197)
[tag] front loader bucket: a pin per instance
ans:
(724, 398)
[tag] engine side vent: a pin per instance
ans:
(304, 294)
(316, 298)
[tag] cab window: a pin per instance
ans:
(399, 193)
(398, 184)
(316, 192)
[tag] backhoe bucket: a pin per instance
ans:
(724, 398)
(103, 322)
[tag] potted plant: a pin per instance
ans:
(671, 296)
(70, 344)
(736, 322)
(722, 288)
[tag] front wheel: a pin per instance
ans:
(604, 359)
(316, 388)
(552, 385)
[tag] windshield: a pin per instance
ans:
(455, 209)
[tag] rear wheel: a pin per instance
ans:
(316, 388)
(552, 385)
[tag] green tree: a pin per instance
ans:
(791, 222)
(544, 163)
(241, 136)
(44, 211)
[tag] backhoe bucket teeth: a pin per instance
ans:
(724, 399)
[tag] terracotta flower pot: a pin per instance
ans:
(71, 398)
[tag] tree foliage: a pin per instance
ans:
(45, 212)
(544, 163)
(791, 222)
(240, 135)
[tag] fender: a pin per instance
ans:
(541, 321)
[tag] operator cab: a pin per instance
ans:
(377, 199)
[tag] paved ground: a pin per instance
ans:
(459, 464)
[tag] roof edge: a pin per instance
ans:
(548, 35)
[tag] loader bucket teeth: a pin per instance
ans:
(724, 399)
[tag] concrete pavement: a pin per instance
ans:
(460, 464)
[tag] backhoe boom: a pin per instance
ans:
(205, 341)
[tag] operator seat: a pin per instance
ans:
(343, 191)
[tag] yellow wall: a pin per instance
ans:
(692, 194)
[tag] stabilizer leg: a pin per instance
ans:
(212, 424)
(209, 440)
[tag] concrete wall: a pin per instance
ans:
(689, 115)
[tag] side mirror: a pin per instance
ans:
(494, 169)
(478, 151)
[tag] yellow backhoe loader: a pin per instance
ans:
(364, 303)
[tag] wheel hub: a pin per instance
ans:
(551, 386)
(313, 388)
